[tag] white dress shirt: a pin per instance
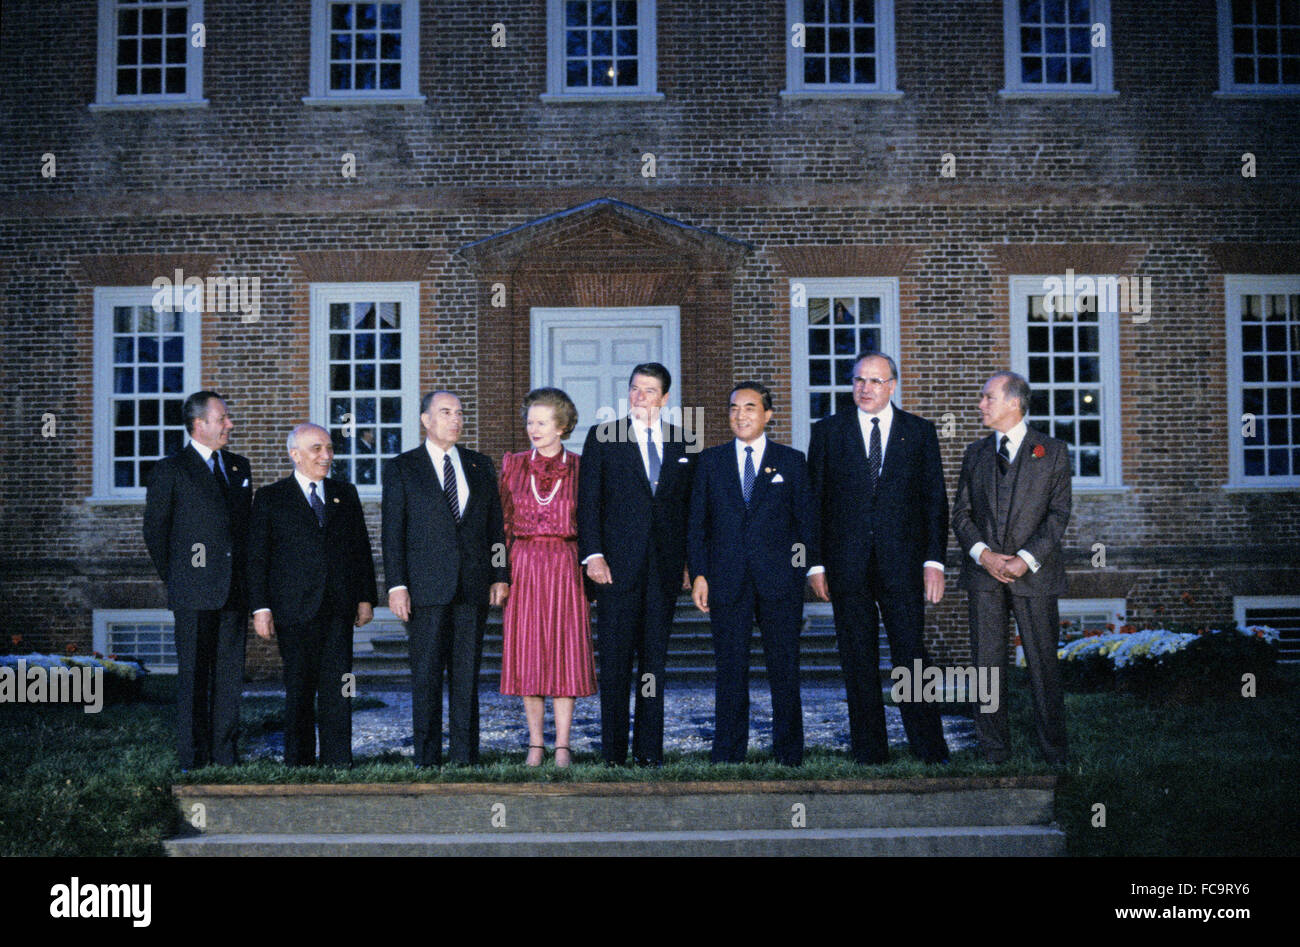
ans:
(1015, 437)
(760, 445)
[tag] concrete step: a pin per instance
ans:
(389, 808)
(947, 841)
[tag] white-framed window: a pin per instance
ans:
(365, 53)
(146, 362)
(1274, 611)
(601, 48)
(832, 322)
(150, 54)
(840, 47)
(1070, 356)
(147, 635)
(1263, 331)
(365, 375)
(1057, 47)
(1259, 47)
(1093, 614)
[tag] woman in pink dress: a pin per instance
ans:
(546, 651)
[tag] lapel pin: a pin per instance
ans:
(767, 470)
(336, 499)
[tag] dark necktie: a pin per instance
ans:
(655, 462)
(1004, 455)
(747, 485)
(449, 489)
(317, 505)
(873, 455)
(217, 472)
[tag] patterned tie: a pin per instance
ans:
(217, 472)
(655, 462)
(873, 456)
(317, 505)
(748, 485)
(449, 489)
(1004, 455)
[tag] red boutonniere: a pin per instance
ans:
(1039, 451)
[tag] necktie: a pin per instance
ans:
(748, 484)
(1004, 455)
(217, 472)
(873, 455)
(317, 505)
(655, 462)
(449, 489)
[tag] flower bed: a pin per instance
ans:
(122, 677)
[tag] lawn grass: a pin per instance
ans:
(1213, 778)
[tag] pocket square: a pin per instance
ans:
(244, 484)
(682, 460)
(778, 479)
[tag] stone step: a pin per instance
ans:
(467, 808)
(945, 841)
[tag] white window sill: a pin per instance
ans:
(1261, 487)
(1092, 489)
(1264, 93)
(351, 100)
(1056, 94)
(572, 98)
(881, 95)
(145, 105)
(101, 500)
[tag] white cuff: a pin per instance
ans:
(978, 550)
(931, 564)
(1034, 564)
(395, 588)
(816, 570)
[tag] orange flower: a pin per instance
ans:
(1110, 626)
(15, 640)
(1015, 640)
(1259, 632)
(70, 648)
(1187, 597)
(1127, 629)
(1066, 623)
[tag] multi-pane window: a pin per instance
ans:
(1264, 369)
(146, 363)
(365, 386)
(840, 46)
(1281, 612)
(832, 322)
(1067, 351)
(1259, 45)
(601, 47)
(1058, 45)
(149, 52)
(364, 52)
(144, 635)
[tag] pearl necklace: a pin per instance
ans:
(532, 482)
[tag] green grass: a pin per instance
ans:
(1215, 778)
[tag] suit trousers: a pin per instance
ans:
(779, 621)
(209, 684)
(1039, 620)
(857, 616)
(446, 638)
(634, 623)
(316, 655)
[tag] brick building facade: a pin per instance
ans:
(482, 196)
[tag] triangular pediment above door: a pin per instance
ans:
(602, 231)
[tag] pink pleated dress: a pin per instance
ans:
(546, 649)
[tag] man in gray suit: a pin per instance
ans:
(1013, 503)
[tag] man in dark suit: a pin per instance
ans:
(1013, 504)
(633, 498)
(445, 563)
(883, 509)
(311, 578)
(196, 528)
(751, 536)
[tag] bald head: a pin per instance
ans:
(311, 450)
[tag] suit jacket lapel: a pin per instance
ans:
(986, 475)
(424, 464)
(892, 446)
(330, 497)
(473, 480)
(853, 449)
(761, 478)
(194, 460)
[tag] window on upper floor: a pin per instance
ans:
(365, 53)
(146, 362)
(1263, 380)
(365, 375)
(1067, 347)
(839, 46)
(150, 53)
(1259, 46)
(601, 48)
(832, 321)
(1057, 46)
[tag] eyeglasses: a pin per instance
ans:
(859, 382)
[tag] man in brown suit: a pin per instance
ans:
(1013, 503)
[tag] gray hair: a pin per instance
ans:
(893, 366)
(1014, 386)
(302, 428)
